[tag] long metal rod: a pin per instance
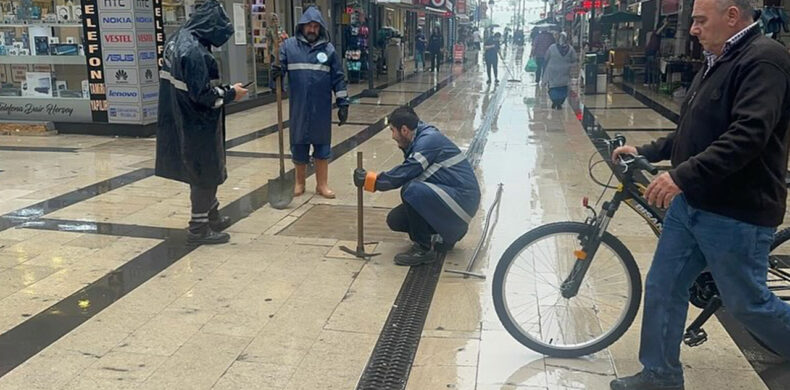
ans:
(483, 238)
(360, 217)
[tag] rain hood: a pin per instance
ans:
(210, 24)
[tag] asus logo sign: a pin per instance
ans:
(120, 57)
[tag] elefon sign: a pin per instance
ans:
(159, 30)
(66, 110)
(94, 59)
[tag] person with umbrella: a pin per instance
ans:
(190, 137)
(314, 71)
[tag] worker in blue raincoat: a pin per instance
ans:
(438, 187)
(314, 71)
(190, 144)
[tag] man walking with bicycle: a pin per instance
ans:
(726, 191)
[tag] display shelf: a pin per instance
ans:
(50, 60)
(39, 24)
(27, 99)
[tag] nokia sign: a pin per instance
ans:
(144, 19)
(116, 21)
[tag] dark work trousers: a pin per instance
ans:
(494, 63)
(204, 207)
(436, 60)
(541, 62)
(405, 218)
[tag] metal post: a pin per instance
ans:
(371, 91)
(360, 218)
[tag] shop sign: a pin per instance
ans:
(147, 57)
(438, 3)
(123, 94)
(120, 58)
(460, 7)
(143, 4)
(118, 39)
(94, 58)
(116, 21)
(145, 38)
(45, 109)
(149, 75)
(150, 94)
(124, 113)
(159, 30)
(150, 112)
(106, 5)
(123, 76)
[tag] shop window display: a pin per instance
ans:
(41, 51)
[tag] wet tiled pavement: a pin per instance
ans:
(98, 290)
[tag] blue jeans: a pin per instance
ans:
(736, 253)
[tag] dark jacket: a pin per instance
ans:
(436, 44)
(729, 152)
(491, 50)
(314, 71)
(420, 42)
(190, 144)
(541, 44)
(438, 181)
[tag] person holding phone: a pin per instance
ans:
(190, 144)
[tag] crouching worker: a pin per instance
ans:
(438, 187)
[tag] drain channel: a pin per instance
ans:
(390, 363)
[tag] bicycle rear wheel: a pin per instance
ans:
(528, 301)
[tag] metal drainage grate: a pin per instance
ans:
(390, 363)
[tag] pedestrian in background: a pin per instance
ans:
(560, 59)
(492, 56)
(419, 50)
(190, 136)
(540, 46)
(314, 71)
(436, 48)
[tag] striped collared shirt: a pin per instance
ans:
(712, 58)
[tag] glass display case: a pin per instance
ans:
(41, 50)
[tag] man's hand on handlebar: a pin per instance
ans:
(625, 149)
(662, 190)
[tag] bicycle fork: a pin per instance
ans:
(590, 243)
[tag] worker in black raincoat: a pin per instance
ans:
(438, 186)
(314, 71)
(190, 143)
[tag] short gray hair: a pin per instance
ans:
(745, 6)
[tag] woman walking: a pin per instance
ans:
(435, 48)
(560, 58)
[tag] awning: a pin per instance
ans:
(620, 17)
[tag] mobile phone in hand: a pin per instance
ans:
(247, 85)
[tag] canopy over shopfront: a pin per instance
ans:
(620, 17)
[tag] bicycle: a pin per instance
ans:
(579, 302)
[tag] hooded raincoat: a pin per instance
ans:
(438, 181)
(190, 143)
(314, 71)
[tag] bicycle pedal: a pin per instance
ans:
(694, 338)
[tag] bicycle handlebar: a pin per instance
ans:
(638, 162)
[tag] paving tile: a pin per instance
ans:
(441, 378)
(197, 364)
(335, 361)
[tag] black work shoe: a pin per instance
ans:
(207, 237)
(641, 381)
(219, 224)
(488, 81)
(415, 256)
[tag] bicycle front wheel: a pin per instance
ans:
(529, 303)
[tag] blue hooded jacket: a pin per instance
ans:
(314, 71)
(438, 181)
(190, 144)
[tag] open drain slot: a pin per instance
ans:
(392, 357)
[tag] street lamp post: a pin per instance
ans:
(371, 91)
